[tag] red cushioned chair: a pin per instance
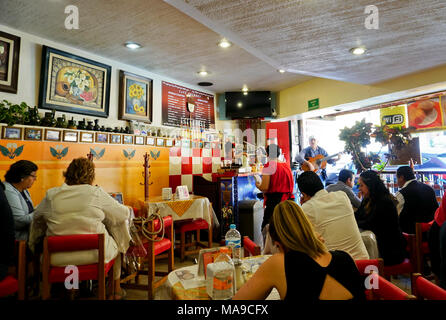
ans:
(421, 247)
(11, 285)
(387, 291)
(362, 265)
(196, 225)
(424, 289)
(76, 242)
(154, 249)
(409, 265)
(250, 248)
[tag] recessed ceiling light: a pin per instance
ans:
(281, 71)
(224, 43)
(203, 73)
(132, 45)
(239, 104)
(245, 93)
(205, 84)
(245, 89)
(358, 51)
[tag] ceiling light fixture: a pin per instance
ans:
(239, 104)
(224, 43)
(203, 73)
(281, 71)
(245, 89)
(245, 93)
(358, 51)
(132, 45)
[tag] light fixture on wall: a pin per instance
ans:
(224, 43)
(132, 45)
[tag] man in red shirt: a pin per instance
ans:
(276, 183)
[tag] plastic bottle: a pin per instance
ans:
(223, 286)
(233, 241)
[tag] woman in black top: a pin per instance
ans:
(304, 270)
(378, 214)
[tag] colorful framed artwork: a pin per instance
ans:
(33, 134)
(150, 141)
(9, 62)
(127, 139)
(12, 133)
(70, 136)
(160, 142)
(115, 138)
(139, 140)
(87, 137)
(169, 142)
(101, 137)
(135, 97)
(70, 83)
(52, 135)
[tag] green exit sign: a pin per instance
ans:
(313, 104)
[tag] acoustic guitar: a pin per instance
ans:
(319, 162)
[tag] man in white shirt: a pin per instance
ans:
(332, 216)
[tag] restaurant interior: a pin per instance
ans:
(137, 135)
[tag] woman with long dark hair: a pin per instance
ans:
(378, 214)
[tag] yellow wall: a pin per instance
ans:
(294, 100)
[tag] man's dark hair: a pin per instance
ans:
(309, 183)
(273, 151)
(345, 174)
(406, 172)
(19, 170)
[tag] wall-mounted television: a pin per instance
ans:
(253, 104)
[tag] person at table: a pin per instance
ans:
(276, 182)
(18, 179)
(378, 214)
(312, 151)
(78, 207)
(345, 183)
(304, 270)
(331, 215)
(437, 263)
(417, 201)
(7, 236)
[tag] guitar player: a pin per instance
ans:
(312, 151)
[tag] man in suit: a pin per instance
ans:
(416, 201)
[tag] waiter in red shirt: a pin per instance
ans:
(276, 182)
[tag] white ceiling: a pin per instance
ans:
(305, 37)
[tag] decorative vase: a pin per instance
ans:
(116, 129)
(102, 129)
(34, 118)
(48, 120)
(90, 125)
(96, 125)
(72, 124)
(81, 124)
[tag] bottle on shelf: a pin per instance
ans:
(233, 240)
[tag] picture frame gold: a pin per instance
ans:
(139, 140)
(87, 137)
(12, 133)
(35, 134)
(101, 137)
(127, 139)
(52, 135)
(70, 136)
(150, 141)
(115, 138)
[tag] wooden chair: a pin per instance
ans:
(424, 289)
(10, 284)
(154, 249)
(250, 248)
(70, 243)
(363, 264)
(387, 291)
(421, 247)
(408, 265)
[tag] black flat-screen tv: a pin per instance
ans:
(254, 104)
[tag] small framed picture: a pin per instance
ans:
(115, 138)
(169, 142)
(70, 136)
(127, 139)
(101, 137)
(12, 133)
(207, 145)
(33, 134)
(160, 142)
(150, 141)
(139, 140)
(87, 137)
(53, 135)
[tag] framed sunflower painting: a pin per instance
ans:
(135, 97)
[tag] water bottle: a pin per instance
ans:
(223, 281)
(233, 241)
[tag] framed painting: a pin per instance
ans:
(127, 139)
(169, 142)
(115, 138)
(9, 62)
(70, 83)
(87, 137)
(160, 142)
(70, 136)
(150, 141)
(53, 135)
(135, 97)
(12, 133)
(33, 134)
(139, 140)
(101, 137)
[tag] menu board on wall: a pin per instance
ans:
(174, 106)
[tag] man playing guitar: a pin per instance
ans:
(308, 156)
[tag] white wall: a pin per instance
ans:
(29, 79)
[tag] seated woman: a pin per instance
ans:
(378, 214)
(20, 177)
(304, 270)
(78, 207)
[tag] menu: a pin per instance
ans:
(174, 106)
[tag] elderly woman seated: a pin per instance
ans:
(78, 207)
(304, 270)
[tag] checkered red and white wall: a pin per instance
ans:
(184, 163)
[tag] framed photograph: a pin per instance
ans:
(135, 97)
(169, 142)
(87, 137)
(115, 138)
(139, 140)
(52, 135)
(150, 141)
(9, 62)
(12, 133)
(101, 137)
(70, 83)
(70, 136)
(127, 139)
(160, 142)
(33, 134)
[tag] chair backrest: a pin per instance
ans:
(250, 247)
(74, 242)
(420, 228)
(387, 291)
(363, 264)
(424, 289)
